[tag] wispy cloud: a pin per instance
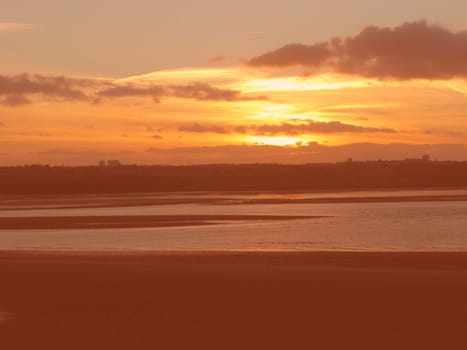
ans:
(15, 100)
(196, 91)
(199, 128)
(16, 88)
(302, 128)
(217, 59)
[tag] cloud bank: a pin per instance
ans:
(413, 50)
(310, 153)
(15, 90)
(199, 128)
(196, 91)
(309, 127)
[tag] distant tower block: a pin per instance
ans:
(102, 163)
(113, 163)
(426, 157)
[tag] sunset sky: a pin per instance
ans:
(185, 82)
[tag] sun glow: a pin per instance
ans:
(297, 84)
(275, 141)
(281, 113)
(187, 74)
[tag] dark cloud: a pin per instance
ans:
(57, 87)
(196, 91)
(217, 59)
(206, 92)
(17, 89)
(15, 100)
(198, 128)
(129, 90)
(308, 127)
(410, 51)
(315, 127)
(156, 137)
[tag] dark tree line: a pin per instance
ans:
(247, 177)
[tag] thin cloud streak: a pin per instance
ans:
(15, 101)
(217, 59)
(198, 128)
(291, 129)
(196, 91)
(16, 90)
(15, 26)
(58, 87)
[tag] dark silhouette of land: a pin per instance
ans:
(230, 177)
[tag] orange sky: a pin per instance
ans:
(377, 92)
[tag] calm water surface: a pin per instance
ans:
(348, 226)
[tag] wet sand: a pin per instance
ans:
(322, 300)
(130, 221)
(12, 203)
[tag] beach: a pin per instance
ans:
(321, 300)
(232, 175)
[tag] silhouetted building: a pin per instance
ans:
(102, 163)
(425, 158)
(113, 163)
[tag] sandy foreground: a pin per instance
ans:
(321, 300)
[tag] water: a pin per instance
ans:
(400, 226)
